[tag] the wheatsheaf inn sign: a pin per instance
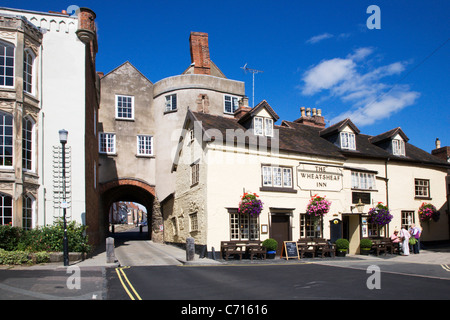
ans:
(319, 177)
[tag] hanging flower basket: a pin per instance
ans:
(318, 206)
(250, 204)
(380, 215)
(427, 211)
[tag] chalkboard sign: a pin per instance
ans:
(290, 250)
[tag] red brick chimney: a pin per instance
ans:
(314, 120)
(200, 53)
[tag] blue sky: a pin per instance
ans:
(313, 53)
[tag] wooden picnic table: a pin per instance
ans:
(235, 247)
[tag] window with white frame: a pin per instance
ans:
(195, 178)
(6, 64)
(348, 141)
(27, 144)
(398, 147)
(407, 219)
(107, 143)
(243, 227)
(145, 145)
(28, 61)
(287, 177)
(263, 126)
(268, 127)
(231, 104)
(171, 103)
(258, 125)
(193, 222)
(279, 177)
(363, 180)
(5, 209)
(124, 107)
(6, 140)
(422, 188)
(27, 212)
(308, 229)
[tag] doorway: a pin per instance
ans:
(351, 230)
(280, 229)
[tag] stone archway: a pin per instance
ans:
(133, 190)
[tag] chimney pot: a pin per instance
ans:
(302, 110)
(314, 112)
(438, 143)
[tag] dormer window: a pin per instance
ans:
(258, 126)
(398, 147)
(348, 141)
(263, 126)
(268, 127)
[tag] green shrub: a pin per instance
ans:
(40, 257)
(342, 244)
(22, 257)
(9, 237)
(13, 257)
(365, 243)
(48, 238)
(270, 244)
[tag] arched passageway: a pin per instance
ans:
(136, 191)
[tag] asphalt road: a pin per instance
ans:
(279, 282)
(58, 284)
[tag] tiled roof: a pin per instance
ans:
(304, 139)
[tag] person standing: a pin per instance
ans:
(404, 235)
(415, 232)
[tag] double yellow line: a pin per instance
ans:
(445, 267)
(131, 289)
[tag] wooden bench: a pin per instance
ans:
(255, 248)
(306, 246)
(228, 248)
(389, 245)
(378, 246)
(323, 247)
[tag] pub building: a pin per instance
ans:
(218, 159)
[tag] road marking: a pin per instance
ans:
(445, 267)
(119, 272)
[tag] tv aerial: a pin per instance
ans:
(253, 72)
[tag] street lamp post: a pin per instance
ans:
(63, 139)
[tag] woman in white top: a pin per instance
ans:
(404, 234)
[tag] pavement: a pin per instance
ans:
(132, 250)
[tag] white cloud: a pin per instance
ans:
(381, 108)
(319, 38)
(370, 99)
(327, 74)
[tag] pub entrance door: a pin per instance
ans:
(280, 229)
(351, 230)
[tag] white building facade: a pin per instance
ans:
(286, 165)
(57, 77)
